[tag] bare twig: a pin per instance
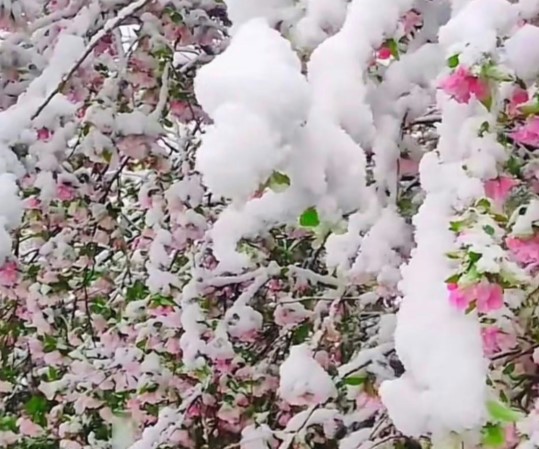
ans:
(109, 25)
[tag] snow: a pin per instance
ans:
(282, 97)
(522, 52)
(528, 8)
(241, 11)
(363, 358)
(444, 387)
(356, 439)
(321, 18)
(523, 223)
(254, 147)
(270, 109)
(302, 379)
(253, 437)
(440, 348)
(380, 245)
(299, 423)
(11, 207)
(123, 432)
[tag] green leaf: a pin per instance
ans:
(53, 374)
(280, 178)
(493, 435)
(301, 333)
(36, 407)
(453, 61)
(470, 277)
(493, 72)
(514, 166)
(530, 109)
(487, 102)
(453, 279)
(508, 370)
(473, 257)
(107, 155)
(309, 218)
(489, 230)
(278, 182)
(49, 343)
(355, 380)
(485, 127)
(8, 423)
(471, 307)
(502, 412)
(457, 226)
(393, 48)
(162, 300)
(483, 204)
(136, 291)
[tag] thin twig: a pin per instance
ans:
(109, 25)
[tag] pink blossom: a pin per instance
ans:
(229, 413)
(499, 189)
(384, 53)
(43, 134)
(172, 346)
(105, 45)
(494, 340)
(70, 444)
(528, 133)
(185, 112)
(76, 96)
(135, 146)
(457, 297)
(65, 192)
(182, 439)
(141, 79)
(194, 411)
(9, 274)
(85, 402)
(223, 365)
(29, 428)
(488, 296)
(411, 20)
(511, 436)
(408, 167)
(322, 357)
(490, 343)
(518, 98)
(284, 418)
(7, 437)
(289, 314)
(6, 22)
(5, 387)
(32, 203)
(524, 251)
(366, 401)
(53, 358)
(461, 85)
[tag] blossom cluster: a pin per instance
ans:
(269, 224)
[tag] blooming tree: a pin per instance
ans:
(269, 224)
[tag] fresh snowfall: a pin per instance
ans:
(269, 224)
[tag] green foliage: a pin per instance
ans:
(493, 435)
(278, 181)
(501, 412)
(37, 407)
(309, 218)
(355, 380)
(453, 61)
